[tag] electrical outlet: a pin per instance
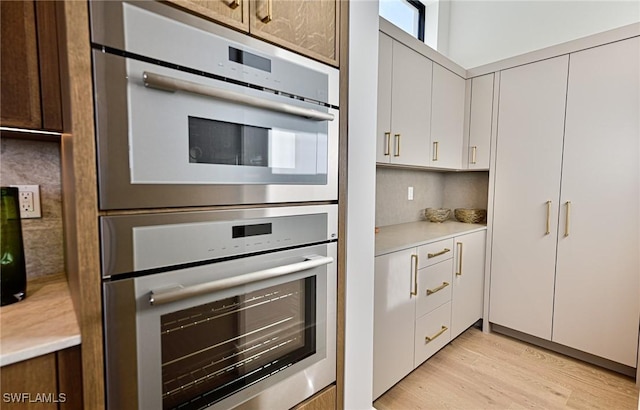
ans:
(410, 193)
(29, 199)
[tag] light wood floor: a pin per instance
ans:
(492, 371)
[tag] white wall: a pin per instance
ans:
(363, 83)
(482, 32)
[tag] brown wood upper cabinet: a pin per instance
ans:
(30, 80)
(308, 27)
(233, 13)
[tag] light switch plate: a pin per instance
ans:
(29, 201)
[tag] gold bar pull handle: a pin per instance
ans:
(568, 220)
(396, 149)
(266, 19)
(438, 289)
(435, 150)
(474, 151)
(234, 4)
(459, 271)
(442, 252)
(387, 143)
(414, 259)
(548, 231)
(428, 339)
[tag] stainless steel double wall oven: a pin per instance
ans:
(220, 308)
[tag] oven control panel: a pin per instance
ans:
(136, 243)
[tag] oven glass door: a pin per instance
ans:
(183, 136)
(213, 350)
(219, 349)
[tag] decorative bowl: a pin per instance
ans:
(437, 214)
(470, 215)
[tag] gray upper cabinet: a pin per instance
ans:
(404, 105)
(447, 119)
(477, 148)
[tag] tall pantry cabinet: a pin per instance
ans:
(565, 263)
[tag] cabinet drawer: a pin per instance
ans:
(435, 252)
(432, 333)
(434, 287)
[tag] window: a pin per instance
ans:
(406, 14)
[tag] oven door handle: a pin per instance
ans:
(166, 83)
(171, 295)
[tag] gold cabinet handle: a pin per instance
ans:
(234, 4)
(428, 339)
(548, 231)
(414, 259)
(459, 272)
(473, 154)
(396, 149)
(438, 289)
(435, 150)
(387, 143)
(442, 252)
(568, 220)
(266, 19)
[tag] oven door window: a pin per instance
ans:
(187, 138)
(214, 350)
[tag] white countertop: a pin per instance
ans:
(394, 238)
(42, 323)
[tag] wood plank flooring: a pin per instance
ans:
(492, 371)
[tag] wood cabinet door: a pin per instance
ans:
(234, 13)
(309, 27)
(385, 75)
(468, 281)
(19, 75)
(447, 119)
(30, 384)
(528, 167)
(393, 319)
(410, 106)
(480, 118)
(596, 293)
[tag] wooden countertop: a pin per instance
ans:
(42, 323)
(394, 238)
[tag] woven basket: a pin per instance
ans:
(437, 214)
(470, 216)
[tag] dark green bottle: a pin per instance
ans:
(13, 272)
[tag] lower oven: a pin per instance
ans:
(252, 327)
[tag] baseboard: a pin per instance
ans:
(567, 351)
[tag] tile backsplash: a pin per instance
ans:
(431, 190)
(25, 162)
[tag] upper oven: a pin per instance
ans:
(189, 113)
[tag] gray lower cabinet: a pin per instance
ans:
(424, 297)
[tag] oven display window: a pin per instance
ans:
(227, 143)
(214, 350)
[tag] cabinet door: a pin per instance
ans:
(528, 166)
(468, 281)
(385, 73)
(596, 295)
(35, 376)
(410, 107)
(477, 155)
(309, 27)
(30, 72)
(19, 73)
(447, 119)
(394, 316)
(234, 13)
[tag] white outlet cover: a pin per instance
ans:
(35, 189)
